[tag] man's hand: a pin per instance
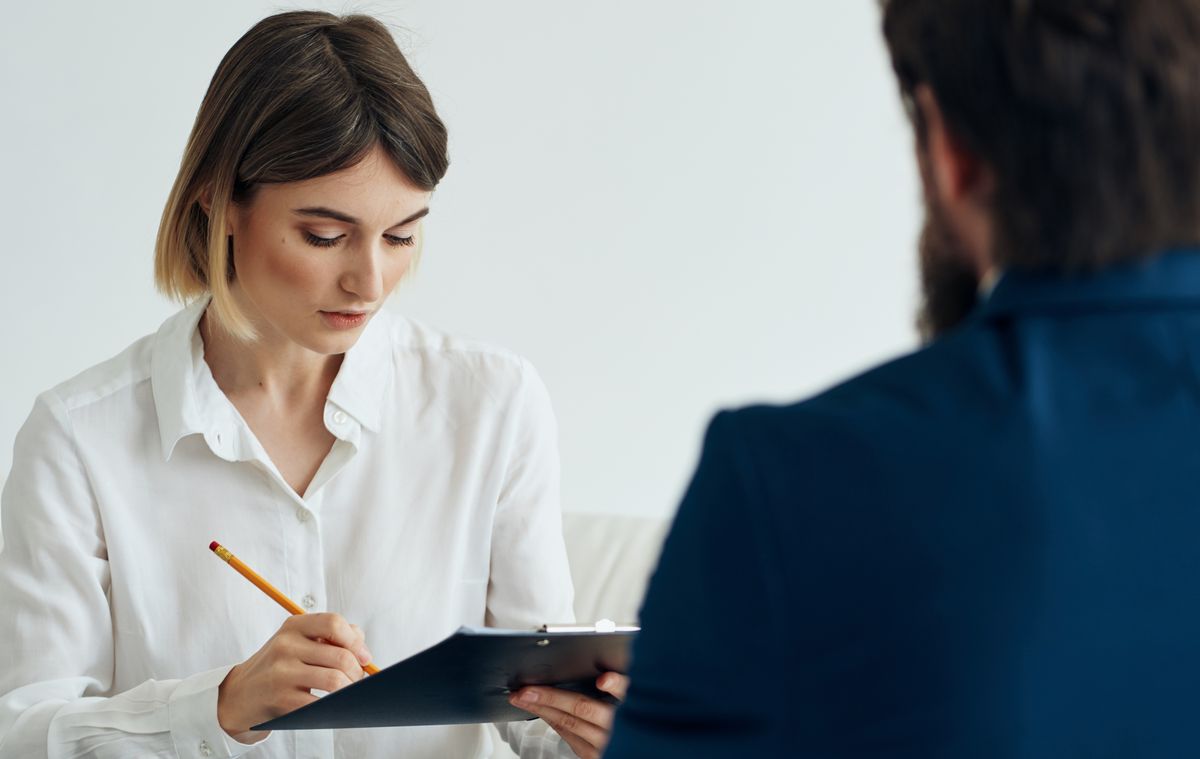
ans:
(584, 723)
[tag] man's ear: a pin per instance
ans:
(955, 172)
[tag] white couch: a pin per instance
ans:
(611, 560)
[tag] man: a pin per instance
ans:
(991, 547)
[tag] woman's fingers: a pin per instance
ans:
(309, 652)
(614, 684)
(570, 714)
(321, 654)
(332, 628)
(326, 679)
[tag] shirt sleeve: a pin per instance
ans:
(709, 592)
(530, 579)
(56, 664)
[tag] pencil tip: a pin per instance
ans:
(214, 546)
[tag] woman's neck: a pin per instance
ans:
(271, 369)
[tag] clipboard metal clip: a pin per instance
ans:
(601, 626)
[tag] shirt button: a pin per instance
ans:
(205, 749)
(301, 514)
(339, 417)
(308, 601)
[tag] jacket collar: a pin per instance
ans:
(188, 401)
(1171, 277)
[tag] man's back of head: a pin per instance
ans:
(1084, 115)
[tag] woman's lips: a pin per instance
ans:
(344, 319)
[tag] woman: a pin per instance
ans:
(367, 465)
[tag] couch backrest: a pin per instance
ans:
(612, 557)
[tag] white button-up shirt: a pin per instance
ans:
(438, 506)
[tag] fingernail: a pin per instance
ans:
(527, 697)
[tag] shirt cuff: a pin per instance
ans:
(192, 715)
(534, 739)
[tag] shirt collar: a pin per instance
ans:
(366, 373)
(188, 401)
(1169, 277)
(987, 283)
(176, 365)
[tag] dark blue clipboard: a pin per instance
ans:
(467, 679)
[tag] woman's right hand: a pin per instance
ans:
(309, 652)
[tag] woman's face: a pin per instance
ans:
(316, 259)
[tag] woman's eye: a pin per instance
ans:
(321, 242)
(394, 240)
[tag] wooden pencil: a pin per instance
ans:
(266, 587)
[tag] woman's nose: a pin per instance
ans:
(364, 277)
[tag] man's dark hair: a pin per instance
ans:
(1087, 111)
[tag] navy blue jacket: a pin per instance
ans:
(988, 548)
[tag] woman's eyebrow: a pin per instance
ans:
(329, 213)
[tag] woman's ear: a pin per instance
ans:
(205, 201)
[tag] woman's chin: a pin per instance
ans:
(328, 342)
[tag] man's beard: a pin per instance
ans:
(949, 283)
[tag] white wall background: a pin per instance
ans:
(669, 206)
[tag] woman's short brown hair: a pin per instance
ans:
(301, 95)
